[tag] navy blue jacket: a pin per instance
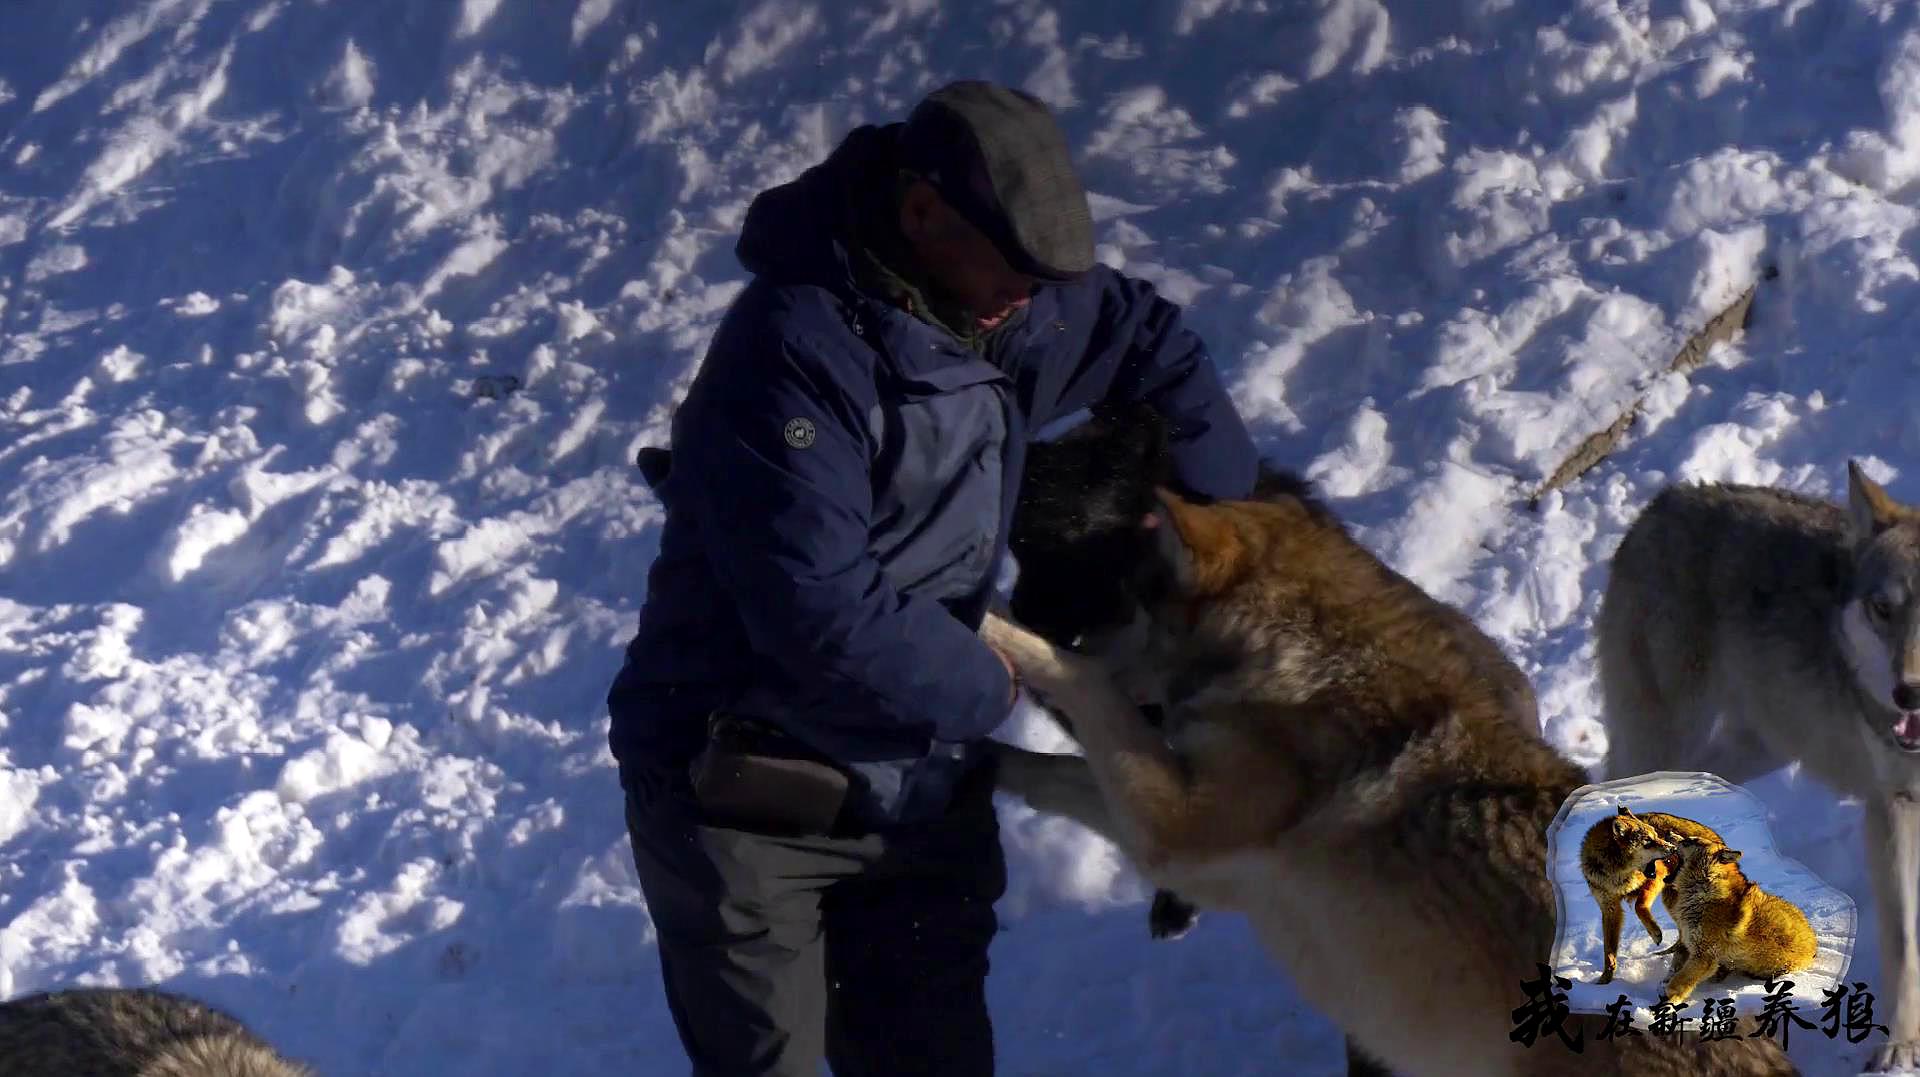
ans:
(842, 482)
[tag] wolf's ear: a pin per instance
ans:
(1727, 856)
(1869, 509)
(1626, 811)
(1198, 548)
(1621, 828)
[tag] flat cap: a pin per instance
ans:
(998, 156)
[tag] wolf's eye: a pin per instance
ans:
(1880, 607)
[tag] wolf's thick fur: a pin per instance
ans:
(1729, 924)
(1625, 857)
(1075, 538)
(1340, 766)
(130, 1032)
(1077, 492)
(1745, 627)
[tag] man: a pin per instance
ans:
(800, 717)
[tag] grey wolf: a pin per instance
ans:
(1728, 923)
(1626, 857)
(130, 1032)
(1746, 627)
(845, 462)
(1338, 766)
(1081, 496)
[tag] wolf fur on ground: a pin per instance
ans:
(1342, 763)
(1626, 857)
(1746, 627)
(130, 1032)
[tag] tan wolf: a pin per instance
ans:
(1337, 767)
(129, 1032)
(1625, 857)
(1746, 627)
(1728, 923)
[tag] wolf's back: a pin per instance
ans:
(129, 1032)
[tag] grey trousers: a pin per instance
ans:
(868, 950)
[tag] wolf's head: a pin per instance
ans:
(1101, 534)
(1881, 621)
(1214, 593)
(1701, 861)
(1076, 528)
(1638, 838)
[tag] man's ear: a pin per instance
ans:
(920, 207)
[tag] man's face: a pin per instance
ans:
(961, 259)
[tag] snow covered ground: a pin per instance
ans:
(306, 621)
(1740, 820)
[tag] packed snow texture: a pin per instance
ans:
(328, 333)
(1740, 820)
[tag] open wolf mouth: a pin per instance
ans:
(1906, 731)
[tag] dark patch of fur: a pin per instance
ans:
(1082, 497)
(1170, 917)
(1077, 533)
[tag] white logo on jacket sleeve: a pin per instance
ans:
(799, 433)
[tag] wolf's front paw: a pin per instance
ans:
(1902, 1056)
(1005, 636)
(1676, 1000)
(1609, 963)
(1170, 917)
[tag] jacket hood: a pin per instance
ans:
(799, 232)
